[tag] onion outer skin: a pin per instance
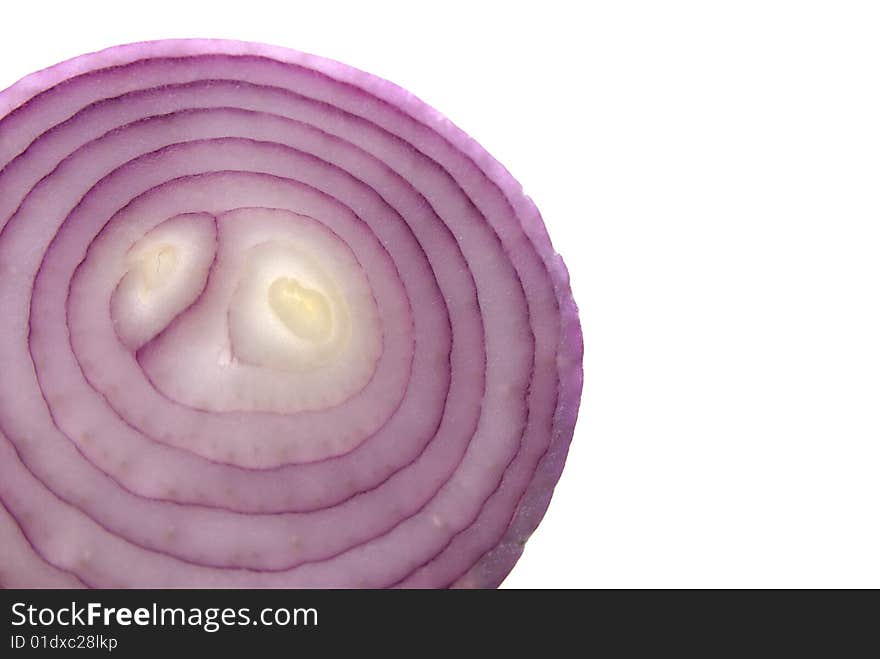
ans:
(487, 569)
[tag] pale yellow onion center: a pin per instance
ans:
(304, 311)
(156, 268)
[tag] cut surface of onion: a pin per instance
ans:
(268, 321)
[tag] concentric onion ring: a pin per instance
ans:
(268, 321)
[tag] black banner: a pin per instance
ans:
(121, 623)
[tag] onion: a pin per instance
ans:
(268, 321)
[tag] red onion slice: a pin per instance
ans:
(269, 322)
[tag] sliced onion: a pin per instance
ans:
(269, 321)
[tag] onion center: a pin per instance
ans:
(157, 267)
(304, 311)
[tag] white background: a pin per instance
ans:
(711, 173)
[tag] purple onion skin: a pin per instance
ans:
(358, 153)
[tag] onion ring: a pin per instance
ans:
(269, 321)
